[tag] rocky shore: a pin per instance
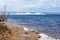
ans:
(13, 32)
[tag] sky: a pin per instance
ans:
(31, 5)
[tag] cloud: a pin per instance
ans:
(39, 3)
(1, 2)
(30, 5)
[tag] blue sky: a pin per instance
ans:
(31, 5)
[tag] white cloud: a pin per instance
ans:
(47, 3)
(1, 2)
(28, 5)
(39, 4)
(18, 5)
(32, 4)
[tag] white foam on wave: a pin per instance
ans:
(28, 13)
(43, 35)
(46, 37)
(26, 29)
(40, 14)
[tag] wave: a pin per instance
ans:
(40, 14)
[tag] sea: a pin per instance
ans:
(48, 24)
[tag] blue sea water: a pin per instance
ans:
(50, 24)
(41, 22)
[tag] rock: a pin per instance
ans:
(13, 32)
